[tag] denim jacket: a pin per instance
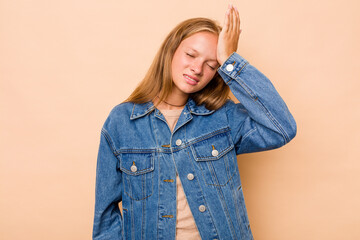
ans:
(139, 157)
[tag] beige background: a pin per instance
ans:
(65, 64)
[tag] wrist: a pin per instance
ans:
(223, 58)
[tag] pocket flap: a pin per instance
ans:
(136, 163)
(213, 147)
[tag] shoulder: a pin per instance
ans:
(235, 111)
(122, 109)
(120, 114)
(229, 105)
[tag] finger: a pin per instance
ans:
(237, 20)
(231, 19)
(226, 20)
(236, 23)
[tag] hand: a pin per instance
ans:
(229, 35)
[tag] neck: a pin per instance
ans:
(172, 102)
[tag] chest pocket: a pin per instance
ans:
(138, 171)
(214, 157)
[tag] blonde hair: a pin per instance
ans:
(158, 79)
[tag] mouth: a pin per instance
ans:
(191, 80)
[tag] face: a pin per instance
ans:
(194, 63)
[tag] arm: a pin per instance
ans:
(261, 121)
(107, 217)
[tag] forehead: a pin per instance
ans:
(202, 42)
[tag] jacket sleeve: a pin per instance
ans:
(107, 217)
(261, 121)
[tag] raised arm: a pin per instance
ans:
(261, 121)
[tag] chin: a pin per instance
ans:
(189, 91)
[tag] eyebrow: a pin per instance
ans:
(198, 52)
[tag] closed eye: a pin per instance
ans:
(189, 55)
(213, 68)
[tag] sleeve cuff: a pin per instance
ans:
(232, 66)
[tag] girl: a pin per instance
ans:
(168, 153)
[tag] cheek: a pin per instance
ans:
(177, 65)
(210, 75)
(208, 79)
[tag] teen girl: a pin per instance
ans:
(168, 153)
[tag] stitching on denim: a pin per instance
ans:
(142, 171)
(203, 170)
(136, 150)
(209, 135)
(154, 129)
(109, 140)
(237, 215)
(221, 154)
(130, 177)
(245, 87)
(212, 173)
(275, 123)
(148, 111)
(228, 217)
(266, 111)
(202, 194)
(132, 220)
(202, 114)
(234, 162)
(246, 217)
(158, 203)
(249, 132)
(221, 185)
(187, 144)
(135, 199)
(125, 211)
(132, 112)
(237, 73)
(188, 119)
(194, 154)
(144, 207)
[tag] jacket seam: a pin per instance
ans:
(202, 194)
(238, 73)
(107, 136)
(265, 110)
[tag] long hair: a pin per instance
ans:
(158, 79)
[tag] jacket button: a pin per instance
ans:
(229, 67)
(133, 168)
(202, 208)
(178, 142)
(215, 153)
(190, 176)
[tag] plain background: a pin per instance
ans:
(65, 64)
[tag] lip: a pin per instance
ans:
(191, 79)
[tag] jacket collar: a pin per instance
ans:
(140, 110)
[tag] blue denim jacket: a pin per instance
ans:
(139, 157)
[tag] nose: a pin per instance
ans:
(197, 67)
